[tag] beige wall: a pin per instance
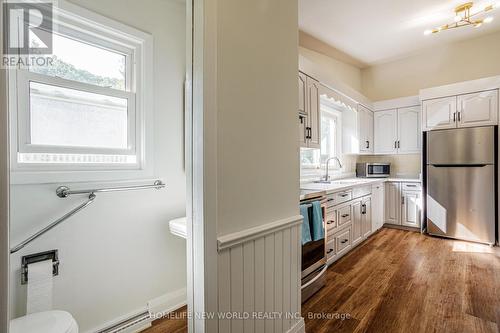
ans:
(330, 71)
(467, 60)
(257, 162)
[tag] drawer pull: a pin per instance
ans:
(344, 241)
(329, 251)
(329, 199)
(344, 195)
(345, 215)
(330, 222)
(408, 185)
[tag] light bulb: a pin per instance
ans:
(489, 19)
(477, 25)
(427, 32)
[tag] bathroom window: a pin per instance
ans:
(87, 111)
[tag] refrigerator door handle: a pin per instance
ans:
(459, 165)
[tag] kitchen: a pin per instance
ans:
(399, 166)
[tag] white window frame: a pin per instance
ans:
(83, 25)
(327, 106)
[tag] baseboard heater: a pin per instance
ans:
(136, 321)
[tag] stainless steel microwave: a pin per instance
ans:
(373, 170)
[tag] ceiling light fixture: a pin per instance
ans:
(464, 17)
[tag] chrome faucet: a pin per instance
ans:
(328, 164)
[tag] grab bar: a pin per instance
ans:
(53, 224)
(64, 192)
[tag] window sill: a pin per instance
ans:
(25, 177)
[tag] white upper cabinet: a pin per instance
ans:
(309, 112)
(409, 130)
(386, 131)
(467, 110)
(397, 131)
(314, 113)
(365, 135)
(439, 113)
(302, 93)
(478, 109)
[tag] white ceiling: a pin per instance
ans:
(384, 30)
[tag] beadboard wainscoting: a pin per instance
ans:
(259, 278)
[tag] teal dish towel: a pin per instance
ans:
(318, 231)
(306, 233)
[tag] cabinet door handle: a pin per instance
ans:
(367, 144)
(344, 241)
(329, 251)
(395, 144)
(459, 116)
(454, 116)
(330, 222)
(399, 144)
(402, 200)
(345, 215)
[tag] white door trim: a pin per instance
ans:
(201, 163)
(4, 198)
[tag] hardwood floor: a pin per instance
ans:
(175, 322)
(401, 281)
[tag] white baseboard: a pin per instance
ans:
(299, 327)
(140, 319)
(167, 303)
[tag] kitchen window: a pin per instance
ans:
(330, 140)
(88, 112)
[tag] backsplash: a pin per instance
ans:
(401, 165)
(308, 174)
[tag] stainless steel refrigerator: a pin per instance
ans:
(461, 184)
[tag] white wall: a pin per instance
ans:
(258, 173)
(467, 60)
(118, 253)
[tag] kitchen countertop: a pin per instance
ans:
(309, 190)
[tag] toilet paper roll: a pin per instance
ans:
(39, 287)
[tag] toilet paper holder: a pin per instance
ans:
(37, 257)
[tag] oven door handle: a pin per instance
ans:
(315, 278)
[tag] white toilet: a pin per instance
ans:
(45, 322)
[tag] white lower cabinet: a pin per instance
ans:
(366, 217)
(411, 203)
(403, 204)
(348, 221)
(357, 232)
(392, 203)
(377, 206)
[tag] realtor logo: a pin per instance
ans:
(27, 28)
